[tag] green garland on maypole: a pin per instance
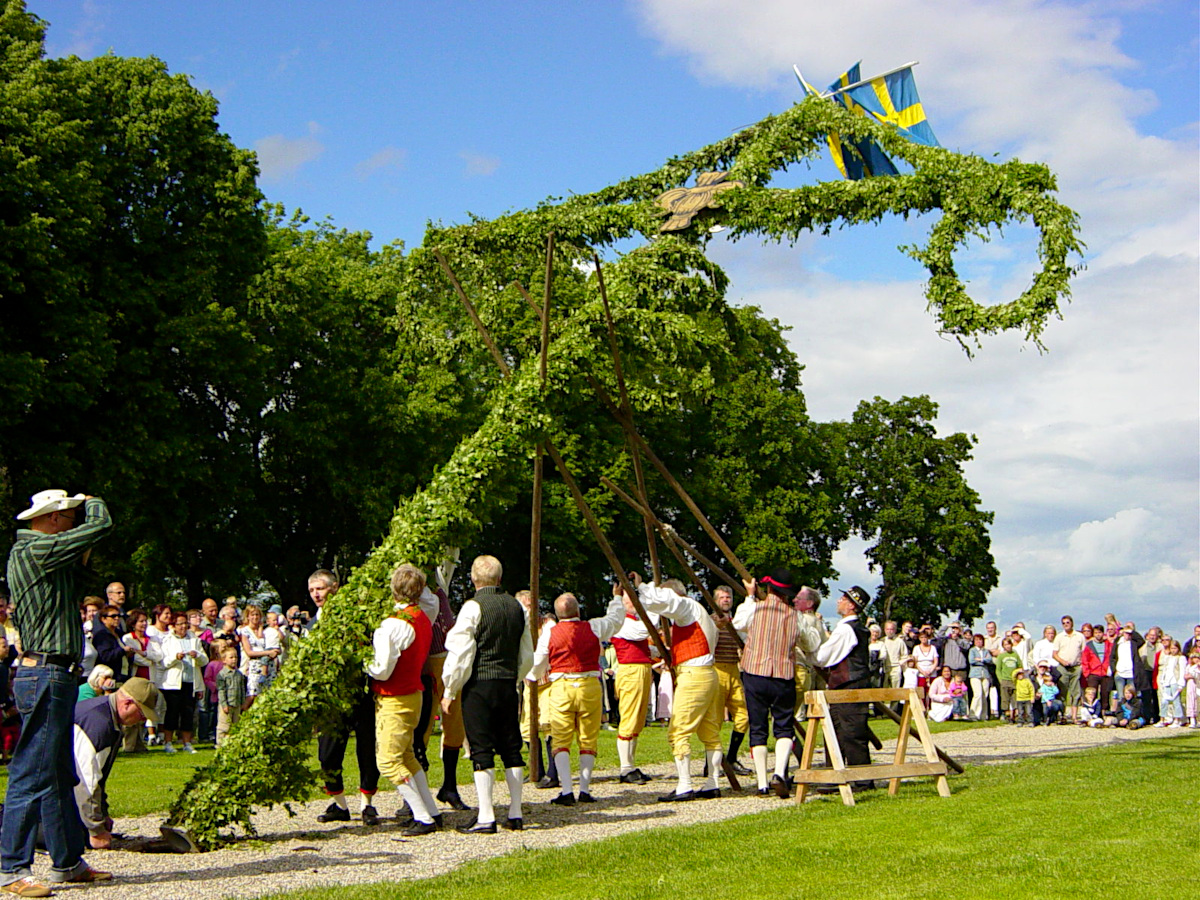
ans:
(668, 299)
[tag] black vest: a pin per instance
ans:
(855, 670)
(498, 637)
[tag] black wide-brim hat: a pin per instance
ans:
(780, 581)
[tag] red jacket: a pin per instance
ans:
(1094, 665)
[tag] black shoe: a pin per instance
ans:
(828, 789)
(779, 786)
(451, 799)
(633, 776)
(404, 818)
(439, 822)
(418, 828)
(677, 798)
(564, 800)
(764, 792)
(477, 827)
(585, 797)
(738, 768)
(548, 782)
(334, 813)
(370, 816)
(709, 794)
(514, 824)
(645, 778)
(860, 786)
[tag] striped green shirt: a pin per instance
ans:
(45, 576)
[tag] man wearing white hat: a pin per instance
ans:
(45, 575)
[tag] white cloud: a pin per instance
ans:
(280, 156)
(385, 160)
(478, 164)
(84, 39)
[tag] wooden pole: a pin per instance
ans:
(675, 550)
(671, 536)
(576, 494)
(536, 767)
(670, 479)
(627, 408)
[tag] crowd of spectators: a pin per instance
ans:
(209, 664)
(1103, 674)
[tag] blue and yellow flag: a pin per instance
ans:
(891, 99)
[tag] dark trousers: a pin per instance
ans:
(773, 698)
(1150, 710)
(331, 749)
(41, 776)
(850, 725)
(181, 708)
(492, 720)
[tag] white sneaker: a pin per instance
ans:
(1175, 725)
(188, 748)
(168, 748)
(1160, 724)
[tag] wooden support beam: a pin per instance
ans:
(679, 489)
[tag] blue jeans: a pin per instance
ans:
(41, 776)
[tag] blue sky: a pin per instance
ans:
(383, 116)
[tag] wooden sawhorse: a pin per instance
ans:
(842, 775)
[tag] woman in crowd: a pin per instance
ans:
(100, 681)
(1097, 664)
(258, 656)
(941, 701)
(977, 660)
(926, 657)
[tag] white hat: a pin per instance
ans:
(45, 502)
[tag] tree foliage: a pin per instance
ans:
(906, 492)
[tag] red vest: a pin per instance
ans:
(632, 652)
(406, 677)
(688, 642)
(573, 647)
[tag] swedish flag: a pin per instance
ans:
(891, 99)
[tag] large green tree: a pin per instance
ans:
(906, 494)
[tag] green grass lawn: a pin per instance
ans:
(1118, 821)
(146, 783)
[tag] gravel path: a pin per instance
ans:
(297, 852)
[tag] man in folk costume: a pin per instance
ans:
(775, 634)
(569, 651)
(442, 619)
(401, 648)
(635, 680)
(549, 777)
(731, 698)
(808, 677)
(846, 662)
(488, 652)
(694, 710)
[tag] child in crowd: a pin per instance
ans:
(1191, 676)
(908, 677)
(1007, 664)
(1051, 706)
(208, 704)
(958, 691)
(1090, 713)
(231, 693)
(1129, 712)
(1171, 669)
(1023, 697)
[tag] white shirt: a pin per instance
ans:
(603, 627)
(683, 611)
(839, 644)
(460, 650)
(391, 638)
(1043, 653)
(177, 671)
